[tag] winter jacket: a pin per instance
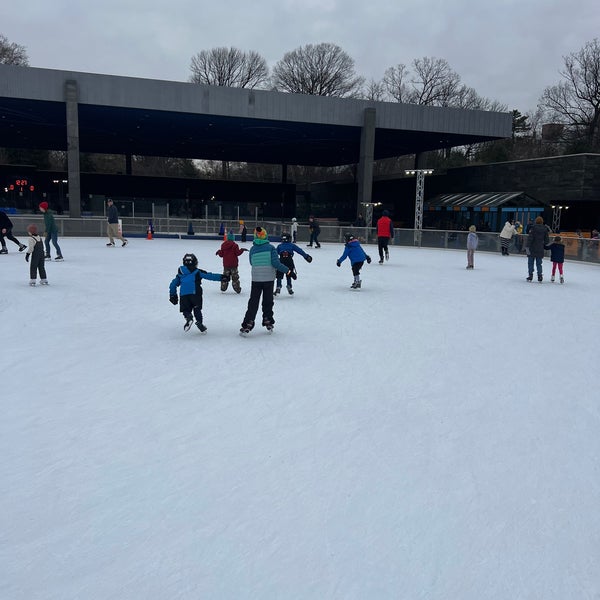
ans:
(265, 262)
(537, 240)
(113, 214)
(5, 222)
(472, 241)
(49, 222)
(353, 250)
(314, 227)
(190, 282)
(35, 247)
(229, 252)
(288, 249)
(385, 227)
(557, 252)
(508, 230)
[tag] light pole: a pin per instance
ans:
(369, 212)
(420, 173)
(556, 212)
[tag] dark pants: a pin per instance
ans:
(191, 303)
(8, 235)
(288, 261)
(36, 262)
(314, 238)
(264, 288)
(356, 267)
(54, 238)
(382, 246)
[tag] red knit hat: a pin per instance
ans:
(43, 206)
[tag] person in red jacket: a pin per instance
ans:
(385, 231)
(229, 252)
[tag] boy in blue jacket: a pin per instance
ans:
(265, 263)
(286, 255)
(189, 279)
(353, 250)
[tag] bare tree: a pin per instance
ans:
(229, 67)
(12, 54)
(435, 83)
(318, 70)
(374, 90)
(575, 101)
(395, 85)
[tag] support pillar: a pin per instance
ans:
(365, 164)
(71, 99)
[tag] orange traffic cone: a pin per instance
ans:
(149, 236)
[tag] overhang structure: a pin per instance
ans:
(83, 112)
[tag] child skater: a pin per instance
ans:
(265, 262)
(35, 256)
(472, 242)
(229, 252)
(286, 255)
(353, 250)
(557, 256)
(190, 277)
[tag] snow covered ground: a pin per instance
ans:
(433, 435)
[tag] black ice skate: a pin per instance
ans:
(562, 279)
(201, 327)
(540, 278)
(268, 325)
(188, 323)
(530, 277)
(246, 328)
(290, 290)
(277, 291)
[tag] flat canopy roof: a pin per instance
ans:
(487, 199)
(124, 115)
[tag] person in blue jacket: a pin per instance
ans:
(265, 263)
(189, 279)
(353, 250)
(286, 250)
(557, 256)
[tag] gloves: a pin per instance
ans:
(291, 274)
(173, 299)
(338, 263)
(27, 258)
(225, 278)
(308, 258)
(217, 253)
(368, 260)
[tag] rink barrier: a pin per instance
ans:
(577, 249)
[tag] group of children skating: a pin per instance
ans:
(269, 264)
(538, 241)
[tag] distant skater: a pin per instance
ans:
(35, 256)
(229, 252)
(557, 256)
(286, 250)
(354, 251)
(385, 231)
(472, 243)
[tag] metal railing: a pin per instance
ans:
(581, 249)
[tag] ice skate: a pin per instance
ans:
(22, 247)
(290, 290)
(540, 278)
(124, 243)
(268, 325)
(387, 255)
(44, 282)
(530, 277)
(552, 279)
(246, 328)
(188, 323)
(59, 257)
(277, 291)
(4, 250)
(201, 327)
(110, 244)
(32, 282)
(381, 261)
(562, 279)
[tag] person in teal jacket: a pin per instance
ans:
(353, 250)
(51, 231)
(189, 279)
(265, 263)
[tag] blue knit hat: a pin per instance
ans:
(231, 236)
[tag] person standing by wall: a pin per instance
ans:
(51, 231)
(113, 225)
(6, 227)
(385, 231)
(536, 241)
(506, 236)
(472, 242)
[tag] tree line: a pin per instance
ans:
(325, 69)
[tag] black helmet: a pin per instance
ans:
(285, 237)
(190, 261)
(348, 237)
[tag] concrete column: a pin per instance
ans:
(71, 99)
(365, 164)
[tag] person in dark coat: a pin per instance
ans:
(6, 227)
(315, 230)
(557, 256)
(536, 242)
(112, 217)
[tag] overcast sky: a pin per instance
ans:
(507, 50)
